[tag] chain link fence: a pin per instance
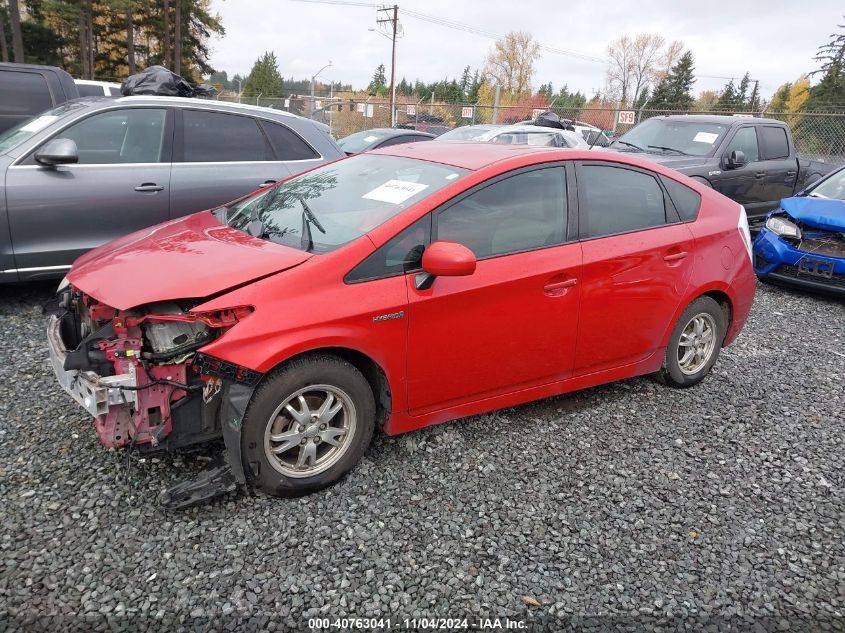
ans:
(818, 135)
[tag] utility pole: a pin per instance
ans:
(394, 25)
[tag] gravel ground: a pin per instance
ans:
(630, 505)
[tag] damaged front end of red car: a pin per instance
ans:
(142, 376)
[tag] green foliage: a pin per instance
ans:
(673, 91)
(779, 99)
(729, 97)
(264, 79)
(830, 91)
(378, 84)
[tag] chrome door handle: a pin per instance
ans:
(265, 183)
(566, 283)
(760, 174)
(674, 256)
(149, 186)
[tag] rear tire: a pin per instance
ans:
(694, 344)
(306, 426)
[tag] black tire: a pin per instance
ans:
(271, 394)
(672, 373)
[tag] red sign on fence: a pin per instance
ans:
(627, 117)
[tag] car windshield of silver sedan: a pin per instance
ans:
(664, 136)
(833, 187)
(330, 206)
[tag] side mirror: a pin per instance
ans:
(59, 151)
(736, 159)
(445, 259)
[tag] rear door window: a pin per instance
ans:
(615, 200)
(24, 93)
(773, 142)
(217, 137)
(87, 90)
(287, 144)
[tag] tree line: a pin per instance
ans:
(109, 39)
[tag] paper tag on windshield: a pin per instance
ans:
(395, 191)
(39, 124)
(705, 137)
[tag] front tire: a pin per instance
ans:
(307, 425)
(695, 344)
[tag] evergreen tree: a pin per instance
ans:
(475, 86)
(466, 82)
(727, 100)
(673, 91)
(742, 92)
(830, 91)
(378, 85)
(642, 99)
(264, 79)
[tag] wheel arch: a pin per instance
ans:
(718, 292)
(372, 371)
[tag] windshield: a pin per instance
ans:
(466, 133)
(670, 136)
(833, 187)
(337, 203)
(27, 129)
(361, 141)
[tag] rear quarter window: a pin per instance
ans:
(687, 201)
(287, 144)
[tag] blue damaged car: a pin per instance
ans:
(803, 241)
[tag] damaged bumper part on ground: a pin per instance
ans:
(141, 376)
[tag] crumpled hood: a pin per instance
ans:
(673, 161)
(821, 213)
(192, 257)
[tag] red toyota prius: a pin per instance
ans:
(396, 289)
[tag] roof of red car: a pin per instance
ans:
(463, 154)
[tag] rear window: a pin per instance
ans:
(687, 201)
(87, 90)
(361, 141)
(24, 93)
(773, 142)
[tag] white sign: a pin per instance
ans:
(466, 113)
(536, 112)
(359, 107)
(412, 110)
(627, 117)
(318, 105)
(287, 103)
(369, 112)
(705, 137)
(395, 191)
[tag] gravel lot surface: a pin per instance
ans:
(630, 504)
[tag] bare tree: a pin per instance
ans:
(621, 68)
(671, 55)
(510, 63)
(17, 38)
(638, 64)
(646, 57)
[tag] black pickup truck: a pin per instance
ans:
(750, 160)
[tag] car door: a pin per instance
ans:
(120, 184)
(637, 262)
(512, 323)
(780, 169)
(218, 157)
(744, 184)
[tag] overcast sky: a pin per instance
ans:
(774, 40)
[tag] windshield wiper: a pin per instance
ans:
(308, 218)
(636, 147)
(668, 149)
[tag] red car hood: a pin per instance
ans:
(192, 257)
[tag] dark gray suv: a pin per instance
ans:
(96, 168)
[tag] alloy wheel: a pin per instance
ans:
(697, 343)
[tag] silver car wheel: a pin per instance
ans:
(697, 343)
(310, 431)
